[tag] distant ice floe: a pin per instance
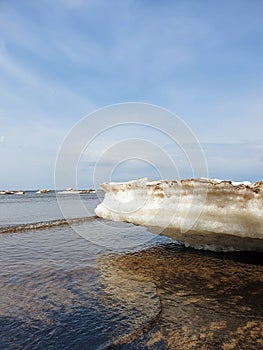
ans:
(202, 213)
(43, 191)
(12, 192)
(71, 191)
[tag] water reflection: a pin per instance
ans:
(187, 299)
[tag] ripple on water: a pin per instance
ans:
(207, 301)
(61, 291)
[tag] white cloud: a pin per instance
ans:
(61, 64)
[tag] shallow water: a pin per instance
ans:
(33, 207)
(205, 301)
(60, 290)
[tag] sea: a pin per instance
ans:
(81, 282)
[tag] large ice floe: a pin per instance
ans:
(201, 213)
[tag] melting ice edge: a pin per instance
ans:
(202, 213)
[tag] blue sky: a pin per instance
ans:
(60, 60)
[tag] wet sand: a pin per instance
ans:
(192, 300)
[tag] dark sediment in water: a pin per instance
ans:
(205, 301)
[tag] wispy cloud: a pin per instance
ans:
(60, 60)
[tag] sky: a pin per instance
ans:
(62, 60)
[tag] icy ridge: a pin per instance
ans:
(202, 213)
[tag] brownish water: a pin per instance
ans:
(61, 291)
(202, 301)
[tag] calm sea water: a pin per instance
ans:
(100, 285)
